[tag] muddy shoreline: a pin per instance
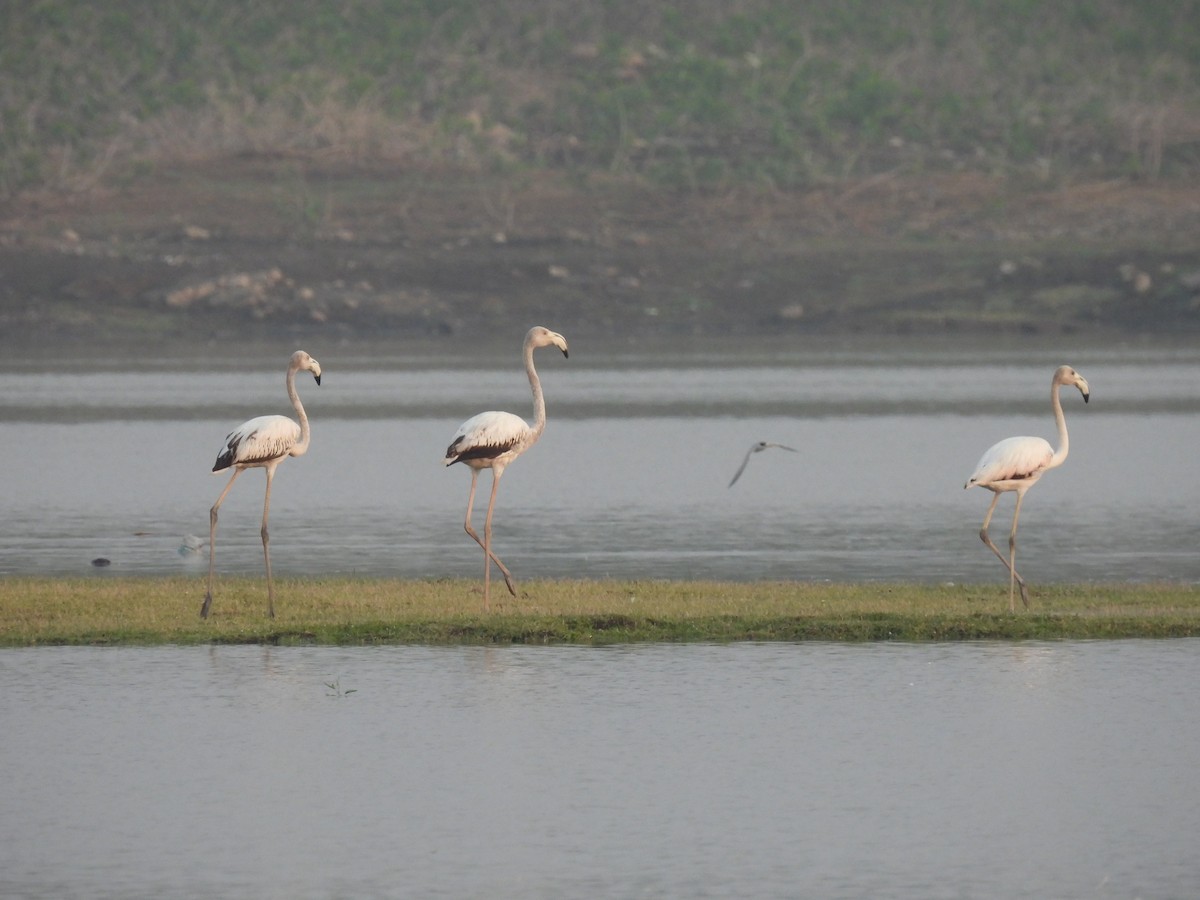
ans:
(258, 249)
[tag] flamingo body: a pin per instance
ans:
(1015, 464)
(262, 442)
(1012, 460)
(492, 440)
(488, 439)
(258, 442)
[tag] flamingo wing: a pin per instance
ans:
(486, 436)
(1013, 459)
(258, 441)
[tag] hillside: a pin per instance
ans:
(202, 168)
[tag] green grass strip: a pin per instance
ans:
(349, 611)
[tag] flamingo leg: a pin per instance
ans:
(1012, 572)
(487, 540)
(1012, 559)
(266, 542)
(212, 542)
(508, 579)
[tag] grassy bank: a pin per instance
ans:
(348, 611)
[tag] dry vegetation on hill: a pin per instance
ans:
(188, 167)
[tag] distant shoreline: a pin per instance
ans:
(208, 256)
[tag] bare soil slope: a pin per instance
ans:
(258, 247)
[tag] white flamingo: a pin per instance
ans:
(492, 440)
(262, 443)
(1016, 464)
(757, 448)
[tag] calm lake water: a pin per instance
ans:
(110, 457)
(1014, 770)
(815, 770)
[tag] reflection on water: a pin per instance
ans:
(908, 771)
(630, 479)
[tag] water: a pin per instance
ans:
(1026, 770)
(908, 771)
(109, 457)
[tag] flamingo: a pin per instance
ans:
(492, 440)
(263, 442)
(757, 448)
(1016, 464)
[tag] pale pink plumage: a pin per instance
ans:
(1016, 464)
(262, 442)
(1012, 459)
(491, 440)
(257, 442)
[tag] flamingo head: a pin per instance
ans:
(301, 361)
(540, 336)
(1067, 375)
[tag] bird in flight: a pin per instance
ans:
(757, 448)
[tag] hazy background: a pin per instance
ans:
(204, 170)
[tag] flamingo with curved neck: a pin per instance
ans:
(492, 440)
(1016, 464)
(262, 443)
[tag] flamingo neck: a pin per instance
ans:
(1064, 443)
(539, 402)
(301, 446)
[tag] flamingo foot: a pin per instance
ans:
(207, 603)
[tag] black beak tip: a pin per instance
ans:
(318, 377)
